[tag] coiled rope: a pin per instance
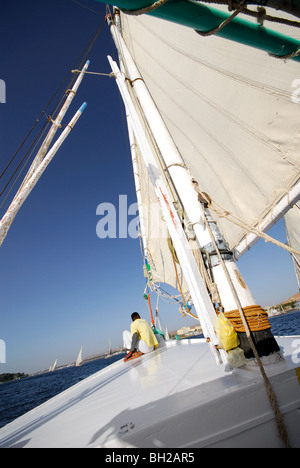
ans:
(269, 389)
(270, 392)
(256, 317)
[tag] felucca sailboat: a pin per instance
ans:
(79, 359)
(53, 367)
(213, 120)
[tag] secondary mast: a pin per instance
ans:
(44, 156)
(19, 199)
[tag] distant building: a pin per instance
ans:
(190, 330)
(183, 331)
(196, 328)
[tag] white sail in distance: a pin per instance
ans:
(79, 359)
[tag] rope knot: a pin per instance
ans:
(262, 13)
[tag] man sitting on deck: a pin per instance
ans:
(141, 340)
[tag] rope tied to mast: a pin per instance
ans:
(242, 313)
(287, 56)
(260, 14)
(223, 213)
(222, 25)
(110, 75)
(147, 9)
(256, 317)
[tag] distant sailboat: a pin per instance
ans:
(79, 359)
(109, 354)
(214, 135)
(52, 368)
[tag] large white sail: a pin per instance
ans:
(232, 111)
(158, 253)
(173, 388)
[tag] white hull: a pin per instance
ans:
(176, 397)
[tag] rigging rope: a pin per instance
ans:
(223, 213)
(84, 53)
(222, 25)
(270, 392)
(261, 14)
(257, 319)
(179, 285)
(287, 56)
(164, 295)
(85, 6)
(147, 9)
(93, 73)
(31, 150)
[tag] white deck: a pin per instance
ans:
(175, 397)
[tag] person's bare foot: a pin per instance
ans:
(132, 355)
(128, 356)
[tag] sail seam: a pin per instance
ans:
(264, 88)
(269, 390)
(252, 132)
(284, 152)
(217, 108)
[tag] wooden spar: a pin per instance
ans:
(167, 147)
(283, 206)
(52, 132)
(233, 291)
(55, 126)
(200, 297)
(18, 201)
(176, 167)
(205, 18)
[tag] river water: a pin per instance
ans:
(19, 396)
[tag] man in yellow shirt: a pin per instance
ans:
(143, 340)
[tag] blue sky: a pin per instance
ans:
(61, 286)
